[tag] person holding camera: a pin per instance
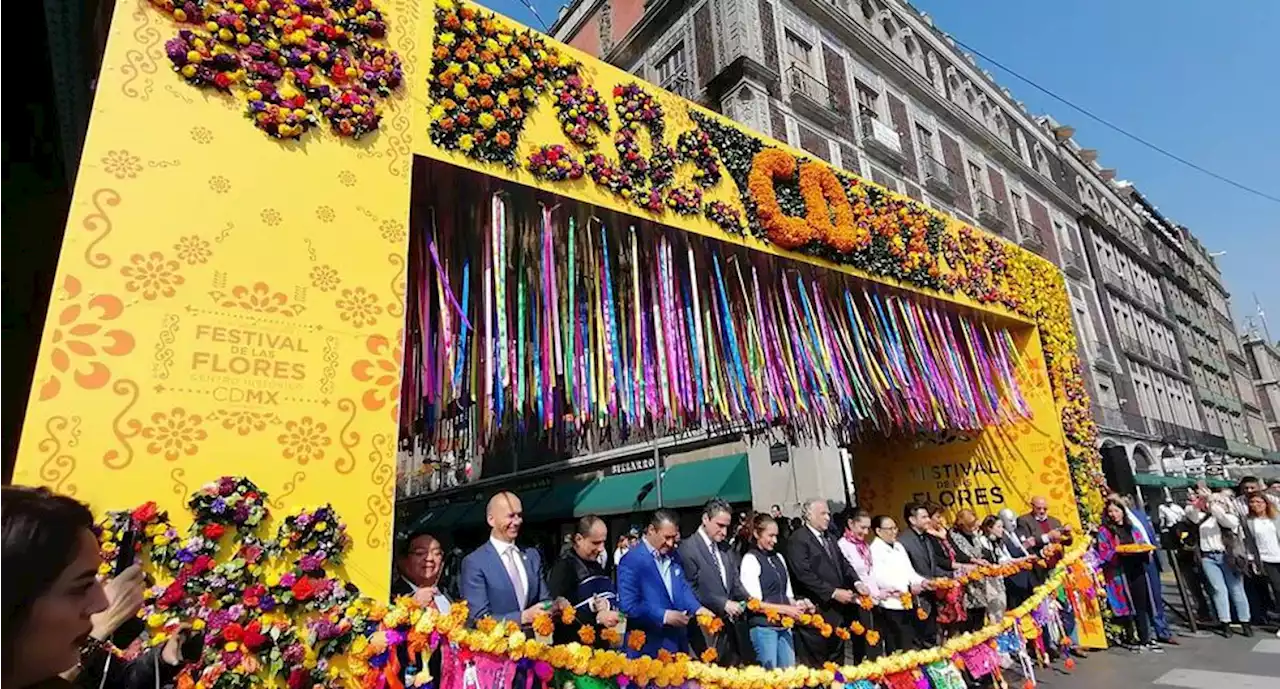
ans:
(59, 619)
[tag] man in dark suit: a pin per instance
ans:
(653, 591)
(1038, 528)
(499, 579)
(419, 562)
(820, 574)
(712, 570)
(920, 548)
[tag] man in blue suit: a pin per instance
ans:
(499, 579)
(653, 591)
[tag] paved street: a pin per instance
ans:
(1199, 663)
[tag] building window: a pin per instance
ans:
(799, 53)
(924, 138)
(671, 72)
(868, 100)
(1042, 161)
(975, 181)
(1017, 207)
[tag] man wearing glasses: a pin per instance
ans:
(419, 562)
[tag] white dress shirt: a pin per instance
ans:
(749, 575)
(664, 567)
(893, 572)
(511, 550)
(715, 553)
(442, 601)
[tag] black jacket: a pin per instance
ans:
(817, 571)
(922, 553)
(704, 577)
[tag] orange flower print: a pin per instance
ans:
(193, 250)
(260, 298)
(174, 434)
(383, 371)
(304, 440)
(1054, 477)
(244, 422)
(81, 337)
(121, 164)
(359, 306)
(152, 275)
(325, 278)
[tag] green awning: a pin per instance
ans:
(1158, 481)
(693, 483)
(683, 485)
(557, 501)
(619, 495)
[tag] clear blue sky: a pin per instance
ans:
(1199, 79)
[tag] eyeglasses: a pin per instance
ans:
(426, 553)
(887, 528)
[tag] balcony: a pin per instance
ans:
(1175, 433)
(1102, 357)
(938, 178)
(1133, 345)
(881, 138)
(1118, 420)
(991, 212)
(812, 97)
(1032, 235)
(1115, 281)
(1168, 362)
(1073, 263)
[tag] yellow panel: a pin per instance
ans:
(1001, 467)
(218, 295)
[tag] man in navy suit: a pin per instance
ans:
(653, 591)
(500, 580)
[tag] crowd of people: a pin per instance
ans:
(903, 578)
(751, 573)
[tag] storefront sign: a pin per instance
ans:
(630, 467)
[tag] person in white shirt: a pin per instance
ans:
(894, 576)
(1215, 516)
(1264, 524)
(764, 577)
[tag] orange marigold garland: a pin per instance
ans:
(769, 166)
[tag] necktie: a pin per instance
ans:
(513, 571)
(826, 547)
(715, 557)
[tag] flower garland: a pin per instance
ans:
(290, 58)
(695, 147)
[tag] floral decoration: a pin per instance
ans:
(297, 62)
(727, 217)
(695, 147)
(685, 199)
(580, 109)
(795, 203)
(554, 164)
(83, 336)
(484, 79)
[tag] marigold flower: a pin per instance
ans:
(587, 634)
(709, 656)
(635, 639)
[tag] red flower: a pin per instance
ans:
(304, 588)
(298, 679)
(214, 531)
(233, 632)
(172, 594)
(202, 564)
(253, 636)
(145, 513)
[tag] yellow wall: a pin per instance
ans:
(225, 301)
(189, 228)
(1004, 466)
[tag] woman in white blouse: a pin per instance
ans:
(1264, 524)
(894, 576)
(1217, 522)
(765, 578)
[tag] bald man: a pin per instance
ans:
(1038, 529)
(499, 579)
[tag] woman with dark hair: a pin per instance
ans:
(578, 577)
(58, 617)
(765, 578)
(1124, 569)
